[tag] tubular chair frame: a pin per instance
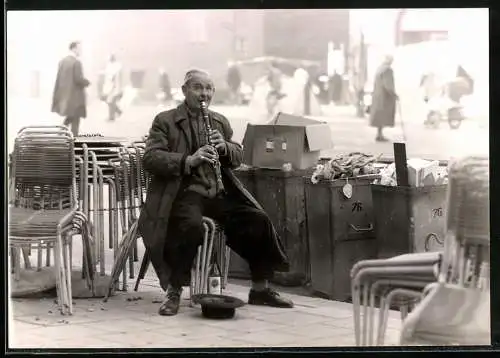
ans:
(73, 222)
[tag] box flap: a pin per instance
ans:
(284, 119)
(319, 136)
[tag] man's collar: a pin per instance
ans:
(182, 112)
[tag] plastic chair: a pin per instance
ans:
(44, 206)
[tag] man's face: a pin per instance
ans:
(388, 60)
(78, 50)
(199, 88)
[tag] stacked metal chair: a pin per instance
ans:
(43, 207)
(455, 310)
(96, 152)
(131, 185)
(405, 277)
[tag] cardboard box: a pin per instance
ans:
(286, 139)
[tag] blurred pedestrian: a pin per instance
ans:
(234, 83)
(274, 77)
(429, 85)
(69, 99)
(459, 86)
(165, 88)
(336, 85)
(112, 91)
(273, 103)
(384, 97)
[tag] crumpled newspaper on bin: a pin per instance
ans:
(388, 176)
(420, 173)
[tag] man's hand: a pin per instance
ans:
(218, 141)
(205, 154)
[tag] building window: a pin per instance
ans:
(197, 21)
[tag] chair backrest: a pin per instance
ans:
(456, 310)
(466, 254)
(43, 168)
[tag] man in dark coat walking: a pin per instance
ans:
(183, 190)
(384, 97)
(69, 92)
(234, 83)
(164, 83)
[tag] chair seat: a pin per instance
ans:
(450, 315)
(417, 256)
(25, 222)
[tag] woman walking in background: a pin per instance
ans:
(383, 108)
(112, 90)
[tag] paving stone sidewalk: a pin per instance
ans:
(130, 320)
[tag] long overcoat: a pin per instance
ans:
(383, 107)
(167, 147)
(69, 98)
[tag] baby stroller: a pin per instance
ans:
(443, 108)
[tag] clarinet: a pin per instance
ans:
(216, 164)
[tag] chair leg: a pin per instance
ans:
(17, 264)
(371, 313)
(403, 311)
(355, 292)
(67, 266)
(192, 287)
(40, 255)
(71, 251)
(197, 282)
(26, 257)
(381, 317)
(102, 262)
(47, 254)
(365, 313)
(226, 266)
(144, 268)
(61, 279)
(136, 253)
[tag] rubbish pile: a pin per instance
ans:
(346, 166)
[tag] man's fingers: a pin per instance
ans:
(209, 149)
(215, 134)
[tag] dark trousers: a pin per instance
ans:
(74, 124)
(248, 232)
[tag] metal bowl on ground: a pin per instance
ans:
(217, 306)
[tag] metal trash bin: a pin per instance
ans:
(340, 233)
(409, 219)
(281, 194)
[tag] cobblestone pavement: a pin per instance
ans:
(130, 320)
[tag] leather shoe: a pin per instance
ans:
(170, 306)
(268, 297)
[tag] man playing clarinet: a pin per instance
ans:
(181, 153)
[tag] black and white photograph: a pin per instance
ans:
(248, 178)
